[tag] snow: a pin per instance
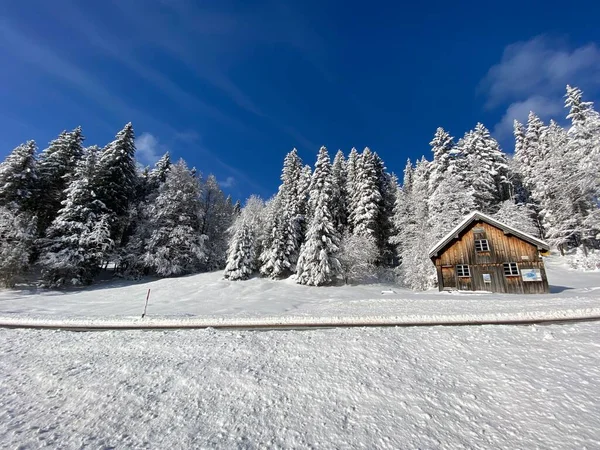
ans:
(363, 387)
(207, 297)
(451, 387)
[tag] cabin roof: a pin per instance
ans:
(476, 215)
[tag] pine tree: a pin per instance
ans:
(237, 208)
(217, 216)
(416, 270)
(280, 259)
(158, 175)
(583, 148)
(245, 242)
(441, 146)
(117, 179)
(17, 234)
(78, 240)
(518, 216)
(402, 214)
(56, 166)
(352, 167)
(240, 258)
(452, 200)
(387, 185)
(366, 196)
(486, 167)
(175, 245)
(408, 177)
(318, 263)
(340, 193)
(18, 177)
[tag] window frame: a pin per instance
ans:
(460, 271)
(481, 242)
(510, 266)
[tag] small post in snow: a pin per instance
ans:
(146, 305)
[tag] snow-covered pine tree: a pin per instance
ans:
(240, 257)
(452, 200)
(17, 234)
(117, 179)
(352, 167)
(403, 214)
(340, 194)
(532, 151)
(318, 263)
(217, 217)
(280, 259)
(554, 200)
(56, 166)
(416, 270)
(237, 208)
(441, 146)
(366, 197)
(175, 245)
(584, 148)
(407, 180)
(451, 197)
(18, 177)
(244, 245)
(303, 195)
(518, 216)
(77, 241)
(133, 242)
(158, 174)
(486, 168)
(387, 184)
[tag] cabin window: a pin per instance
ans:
(511, 269)
(482, 245)
(463, 271)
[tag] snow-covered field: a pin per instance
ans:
(435, 387)
(490, 386)
(208, 296)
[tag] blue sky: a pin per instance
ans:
(232, 86)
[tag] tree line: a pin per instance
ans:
(70, 211)
(352, 218)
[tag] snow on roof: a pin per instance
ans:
(479, 215)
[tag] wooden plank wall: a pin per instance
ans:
(503, 248)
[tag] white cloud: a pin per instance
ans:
(149, 149)
(540, 66)
(542, 106)
(532, 76)
(228, 183)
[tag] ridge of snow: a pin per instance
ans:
(304, 321)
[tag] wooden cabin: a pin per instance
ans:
(482, 254)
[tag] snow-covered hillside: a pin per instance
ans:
(425, 387)
(208, 295)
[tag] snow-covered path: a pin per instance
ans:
(478, 387)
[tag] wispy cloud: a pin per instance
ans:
(540, 66)
(532, 75)
(228, 183)
(46, 60)
(149, 149)
(238, 35)
(542, 106)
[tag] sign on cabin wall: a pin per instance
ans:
(487, 278)
(531, 274)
